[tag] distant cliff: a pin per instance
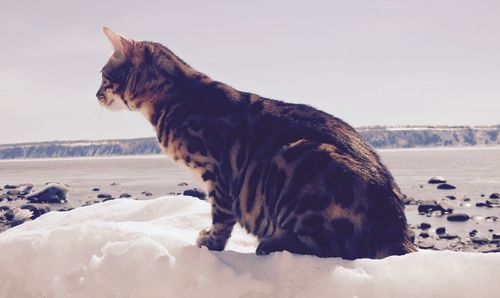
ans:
(377, 136)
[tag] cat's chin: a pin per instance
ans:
(114, 105)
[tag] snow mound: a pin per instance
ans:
(128, 248)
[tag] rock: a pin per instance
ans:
(9, 186)
(426, 244)
(458, 217)
(491, 218)
(108, 199)
(146, 193)
(451, 198)
(125, 195)
(51, 193)
(473, 233)
(182, 184)
(495, 236)
(436, 180)
(91, 202)
(495, 195)
(448, 236)
(104, 196)
(36, 211)
(480, 204)
(95, 189)
(195, 193)
(445, 186)
(429, 207)
(492, 203)
(466, 199)
(409, 201)
(480, 240)
(424, 235)
(13, 192)
(26, 189)
(440, 230)
(425, 226)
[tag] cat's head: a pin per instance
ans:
(135, 75)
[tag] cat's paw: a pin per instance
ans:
(267, 246)
(204, 239)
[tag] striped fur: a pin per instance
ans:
(297, 178)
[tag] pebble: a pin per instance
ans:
(146, 193)
(458, 217)
(8, 186)
(480, 204)
(480, 240)
(451, 198)
(491, 203)
(104, 196)
(445, 186)
(448, 236)
(440, 230)
(436, 180)
(426, 244)
(424, 235)
(195, 193)
(95, 189)
(495, 195)
(425, 226)
(473, 233)
(495, 236)
(125, 195)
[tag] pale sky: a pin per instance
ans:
(367, 62)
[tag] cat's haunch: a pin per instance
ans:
(298, 178)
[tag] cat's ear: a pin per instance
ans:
(120, 43)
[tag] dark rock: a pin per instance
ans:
(182, 184)
(104, 196)
(36, 211)
(445, 207)
(26, 189)
(426, 244)
(480, 240)
(91, 202)
(482, 195)
(108, 199)
(125, 195)
(495, 195)
(429, 207)
(409, 201)
(448, 236)
(13, 192)
(440, 230)
(95, 189)
(436, 180)
(495, 241)
(424, 235)
(451, 198)
(473, 233)
(146, 193)
(458, 217)
(51, 193)
(495, 236)
(8, 186)
(492, 203)
(195, 193)
(425, 226)
(445, 186)
(480, 204)
(491, 218)
(16, 222)
(466, 199)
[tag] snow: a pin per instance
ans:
(129, 248)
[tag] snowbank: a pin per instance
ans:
(127, 248)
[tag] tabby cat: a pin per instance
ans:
(297, 178)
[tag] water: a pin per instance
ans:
(474, 171)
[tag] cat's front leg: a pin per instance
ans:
(216, 237)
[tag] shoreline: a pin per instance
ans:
(152, 156)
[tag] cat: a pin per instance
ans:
(297, 178)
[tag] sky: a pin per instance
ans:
(372, 62)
